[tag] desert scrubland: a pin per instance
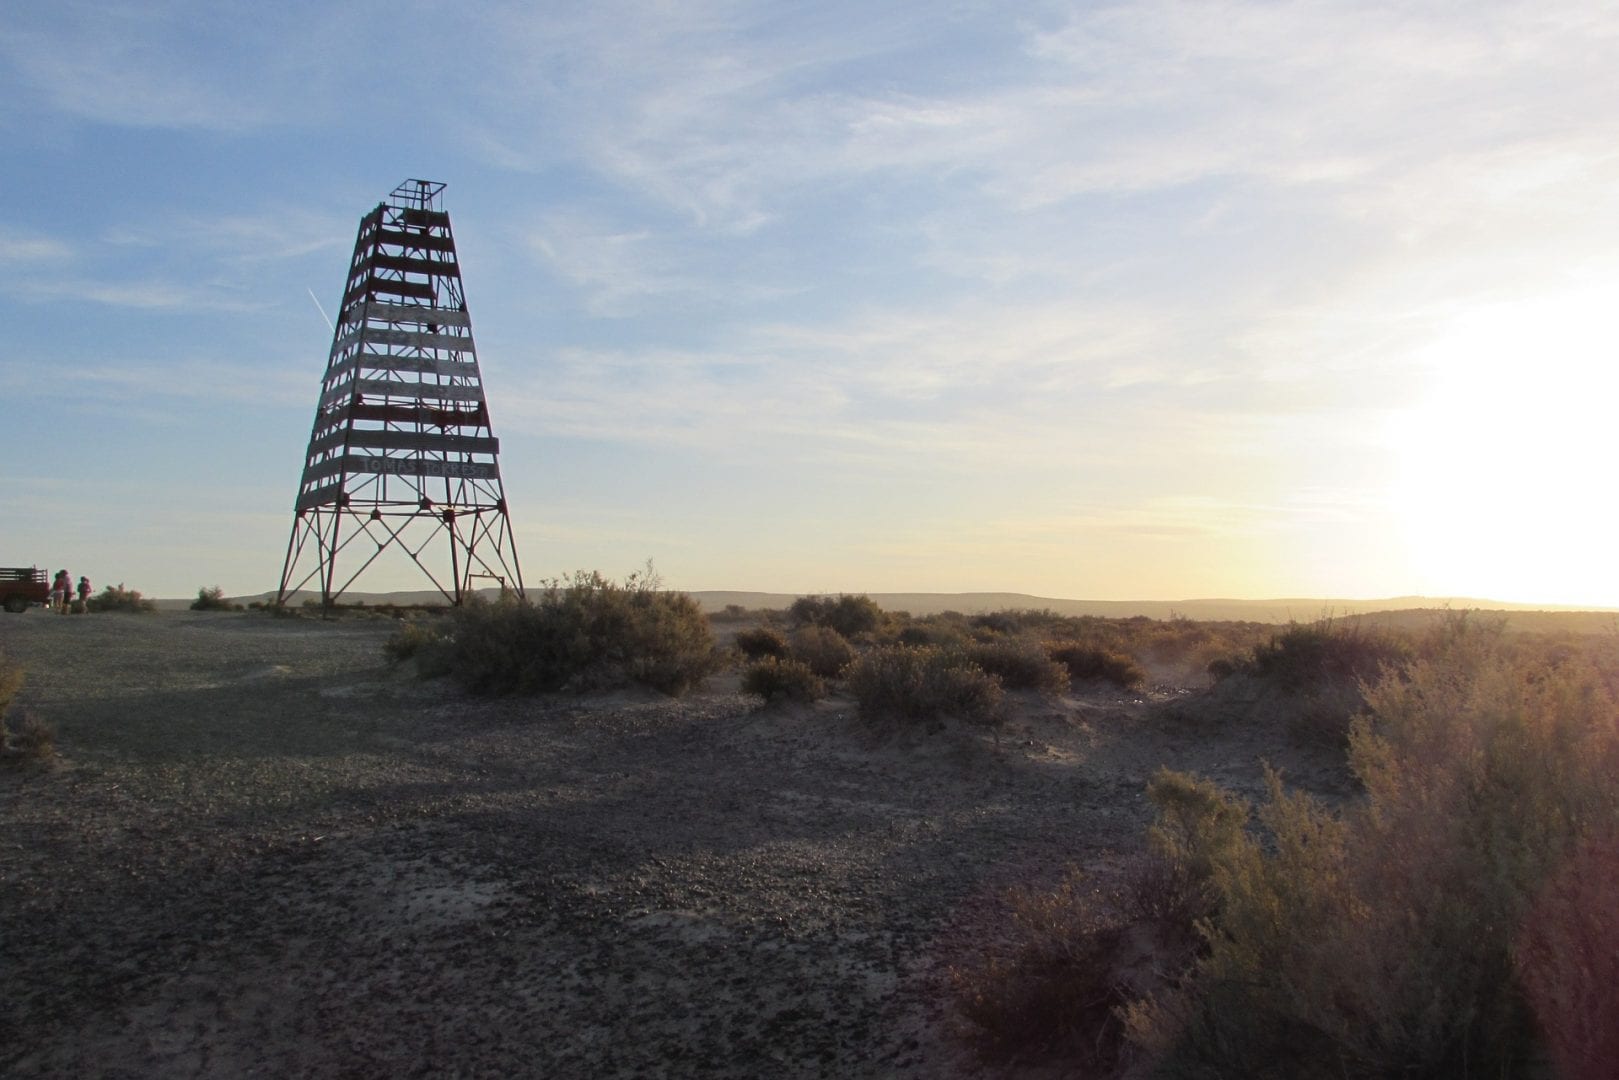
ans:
(263, 848)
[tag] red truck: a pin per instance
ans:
(21, 586)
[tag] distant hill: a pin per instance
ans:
(1409, 611)
(1298, 609)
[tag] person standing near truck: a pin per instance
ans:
(84, 594)
(61, 586)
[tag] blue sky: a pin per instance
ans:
(1146, 300)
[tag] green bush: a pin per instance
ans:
(773, 677)
(848, 615)
(213, 599)
(1086, 663)
(585, 633)
(118, 598)
(760, 642)
(923, 685)
(823, 649)
(1019, 665)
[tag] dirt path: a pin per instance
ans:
(265, 853)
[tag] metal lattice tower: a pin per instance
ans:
(402, 455)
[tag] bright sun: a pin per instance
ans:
(1508, 487)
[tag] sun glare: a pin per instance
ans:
(1508, 481)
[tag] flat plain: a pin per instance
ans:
(264, 851)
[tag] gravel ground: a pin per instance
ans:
(264, 852)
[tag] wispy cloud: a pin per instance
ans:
(732, 119)
(981, 391)
(23, 247)
(270, 233)
(163, 296)
(191, 65)
(186, 381)
(625, 271)
(115, 64)
(168, 262)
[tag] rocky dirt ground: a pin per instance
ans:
(262, 851)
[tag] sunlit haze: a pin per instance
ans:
(1145, 300)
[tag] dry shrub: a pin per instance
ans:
(1057, 985)
(1019, 665)
(1322, 718)
(850, 616)
(212, 598)
(932, 632)
(407, 640)
(1567, 961)
(422, 641)
(773, 678)
(1002, 622)
(1389, 939)
(11, 681)
(1199, 827)
(760, 642)
(1189, 644)
(1258, 1003)
(1054, 989)
(1084, 662)
(1304, 657)
(27, 739)
(1313, 675)
(24, 738)
(823, 649)
(1175, 642)
(118, 598)
(923, 685)
(581, 634)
